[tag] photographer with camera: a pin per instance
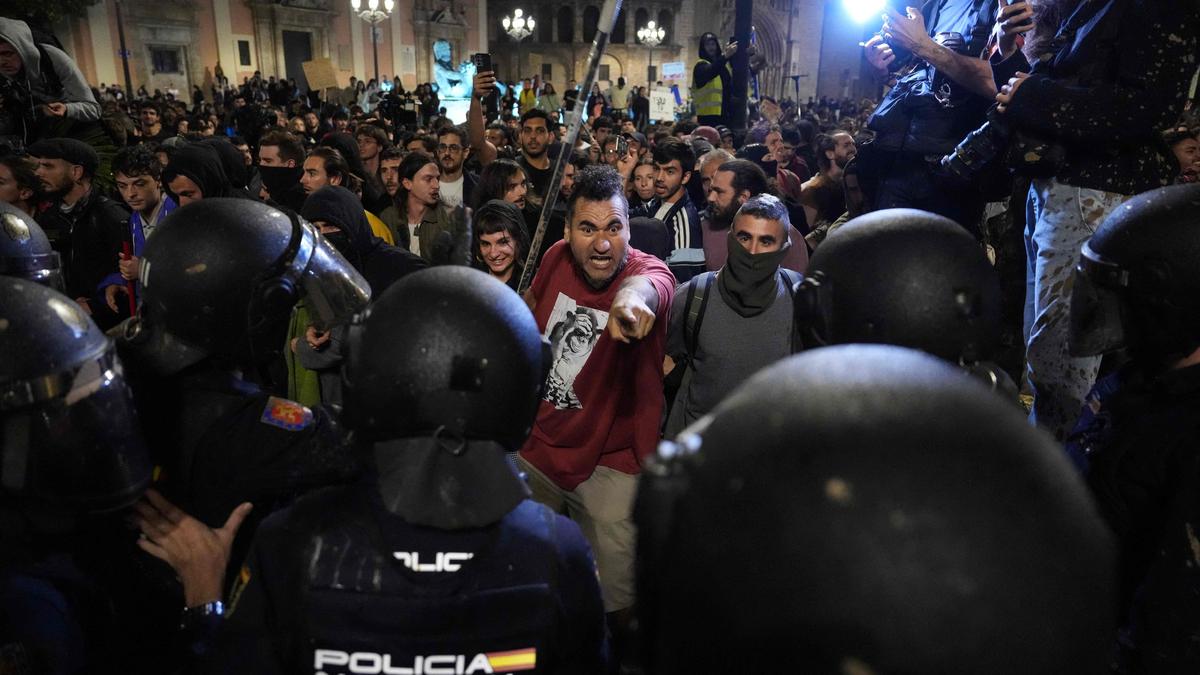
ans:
(943, 89)
(1084, 121)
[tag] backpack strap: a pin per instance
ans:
(790, 279)
(693, 313)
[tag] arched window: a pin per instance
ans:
(591, 17)
(618, 34)
(668, 24)
(640, 18)
(566, 24)
(545, 27)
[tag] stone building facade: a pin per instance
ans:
(558, 49)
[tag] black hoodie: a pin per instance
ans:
(381, 263)
(231, 161)
(374, 197)
(202, 165)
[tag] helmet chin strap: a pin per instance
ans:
(446, 482)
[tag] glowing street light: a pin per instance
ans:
(373, 15)
(518, 26)
(652, 36)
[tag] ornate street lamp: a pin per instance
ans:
(518, 26)
(652, 36)
(374, 16)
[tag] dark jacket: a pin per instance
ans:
(89, 237)
(1141, 437)
(1120, 76)
(380, 263)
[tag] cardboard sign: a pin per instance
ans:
(662, 104)
(320, 74)
(673, 70)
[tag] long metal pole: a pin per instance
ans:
(124, 53)
(649, 76)
(375, 49)
(608, 17)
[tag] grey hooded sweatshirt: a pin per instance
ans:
(75, 93)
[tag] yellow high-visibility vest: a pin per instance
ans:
(708, 97)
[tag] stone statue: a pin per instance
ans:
(451, 82)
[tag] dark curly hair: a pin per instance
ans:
(137, 160)
(597, 183)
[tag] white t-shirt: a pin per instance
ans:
(414, 242)
(452, 193)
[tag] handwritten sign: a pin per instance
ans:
(320, 74)
(662, 104)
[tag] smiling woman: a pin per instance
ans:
(500, 241)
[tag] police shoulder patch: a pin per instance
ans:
(285, 414)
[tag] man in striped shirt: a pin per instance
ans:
(674, 163)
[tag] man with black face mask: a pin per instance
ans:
(723, 338)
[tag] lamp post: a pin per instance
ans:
(518, 26)
(374, 16)
(124, 53)
(651, 36)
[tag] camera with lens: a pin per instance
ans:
(996, 140)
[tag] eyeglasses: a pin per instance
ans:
(455, 148)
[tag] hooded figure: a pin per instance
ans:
(44, 76)
(313, 372)
(200, 163)
(711, 79)
(231, 161)
(379, 262)
(374, 198)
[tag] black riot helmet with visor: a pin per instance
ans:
(70, 436)
(908, 278)
(25, 251)
(869, 509)
(455, 350)
(1137, 282)
(220, 278)
(443, 376)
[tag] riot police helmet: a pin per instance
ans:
(25, 251)
(220, 276)
(870, 509)
(1137, 282)
(70, 435)
(902, 277)
(447, 350)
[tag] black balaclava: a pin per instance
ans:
(747, 281)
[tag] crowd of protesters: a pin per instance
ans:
(397, 186)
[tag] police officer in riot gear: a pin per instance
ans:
(908, 278)
(70, 452)
(25, 250)
(219, 280)
(1137, 289)
(437, 561)
(865, 509)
